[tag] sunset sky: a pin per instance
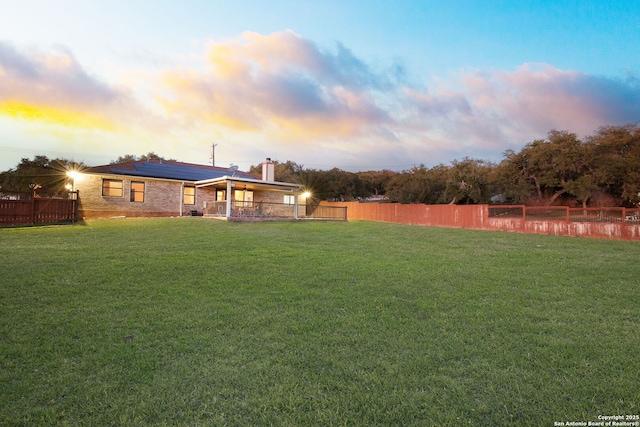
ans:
(358, 85)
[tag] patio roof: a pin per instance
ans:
(251, 184)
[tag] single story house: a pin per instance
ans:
(160, 188)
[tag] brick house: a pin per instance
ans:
(160, 188)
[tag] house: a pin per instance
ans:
(160, 188)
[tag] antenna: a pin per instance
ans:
(233, 169)
(213, 154)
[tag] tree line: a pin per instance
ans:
(602, 169)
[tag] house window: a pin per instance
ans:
(137, 191)
(221, 195)
(112, 188)
(243, 198)
(289, 199)
(189, 196)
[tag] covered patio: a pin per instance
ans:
(246, 199)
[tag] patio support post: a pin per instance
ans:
(228, 210)
(181, 198)
(295, 205)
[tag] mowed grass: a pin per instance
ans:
(189, 321)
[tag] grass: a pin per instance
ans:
(188, 321)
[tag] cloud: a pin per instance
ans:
(284, 96)
(286, 88)
(489, 111)
(283, 85)
(52, 87)
(539, 96)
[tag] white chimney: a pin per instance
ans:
(268, 170)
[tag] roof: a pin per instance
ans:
(252, 182)
(167, 170)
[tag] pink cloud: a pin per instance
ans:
(539, 97)
(493, 110)
(281, 84)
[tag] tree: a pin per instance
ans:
(376, 181)
(513, 179)
(345, 186)
(417, 185)
(133, 158)
(547, 169)
(559, 163)
(288, 171)
(409, 186)
(616, 149)
(605, 166)
(468, 182)
(49, 175)
(334, 184)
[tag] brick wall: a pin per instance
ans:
(275, 203)
(161, 198)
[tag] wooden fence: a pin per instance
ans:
(603, 223)
(326, 213)
(21, 208)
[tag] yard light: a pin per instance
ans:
(306, 195)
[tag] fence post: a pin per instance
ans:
(76, 202)
(33, 206)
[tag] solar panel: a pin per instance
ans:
(172, 171)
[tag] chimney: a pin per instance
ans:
(268, 170)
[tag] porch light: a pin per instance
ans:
(306, 195)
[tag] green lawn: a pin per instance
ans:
(189, 321)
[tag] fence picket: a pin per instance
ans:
(22, 208)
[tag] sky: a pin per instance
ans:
(357, 85)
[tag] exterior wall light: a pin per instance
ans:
(75, 176)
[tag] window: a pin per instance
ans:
(112, 188)
(221, 195)
(243, 198)
(289, 199)
(243, 195)
(137, 191)
(189, 196)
